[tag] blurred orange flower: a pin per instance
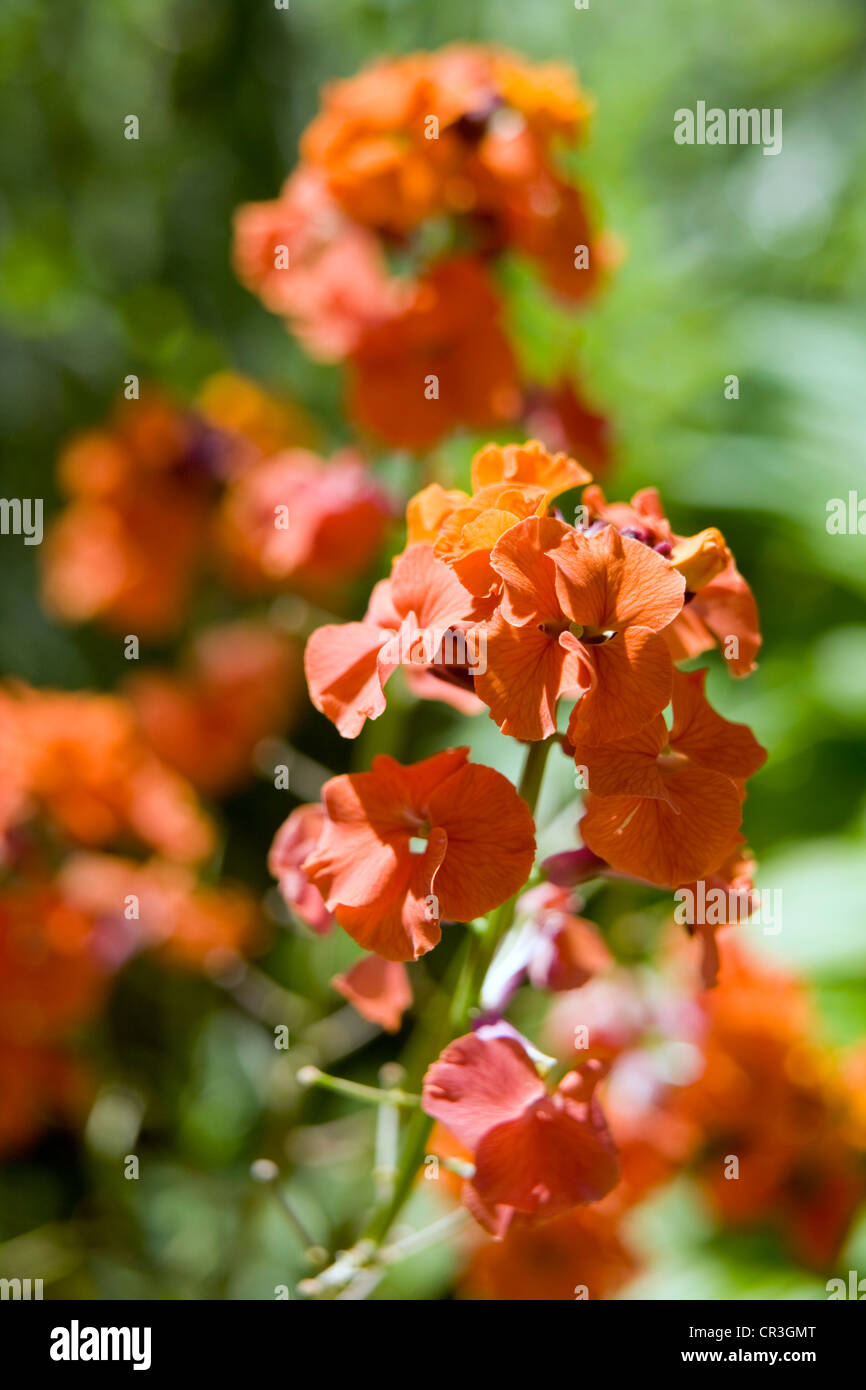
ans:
(441, 364)
(136, 533)
(296, 520)
(242, 683)
(81, 763)
(581, 1254)
(772, 1100)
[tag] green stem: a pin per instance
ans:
(500, 921)
(311, 1076)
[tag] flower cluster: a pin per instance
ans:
(231, 490)
(101, 851)
(381, 250)
(569, 635)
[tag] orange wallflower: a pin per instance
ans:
(83, 764)
(348, 664)
(666, 806)
(536, 1154)
(581, 615)
(466, 132)
(720, 610)
(324, 274)
(137, 531)
(581, 1250)
(404, 848)
(296, 520)
(443, 363)
(373, 136)
(370, 140)
(772, 1100)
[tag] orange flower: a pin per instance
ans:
(555, 1261)
(82, 762)
(583, 615)
(370, 140)
(535, 1153)
(770, 1098)
(190, 924)
(295, 519)
(348, 664)
(720, 610)
(406, 847)
(528, 463)
(488, 161)
(441, 364)
(308, 263)
(242, 685)
(134, 482)
(51, 976)
(666, 806)
(136, 534)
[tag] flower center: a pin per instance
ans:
(418, 840)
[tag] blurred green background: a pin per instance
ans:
(114, 258)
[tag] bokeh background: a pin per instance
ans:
(115, 258)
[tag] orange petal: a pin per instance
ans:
(705, 737)
(491, 841)
(528, 574)
(429, 588)
(723, 610)
(557, 1154)
(429, 509)
(700, 558)
(341, 662)
(527, 463)
(610, 582)
(378, 989)
(666, 842)
(527, 671)
(627, 766)
(631, 684)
